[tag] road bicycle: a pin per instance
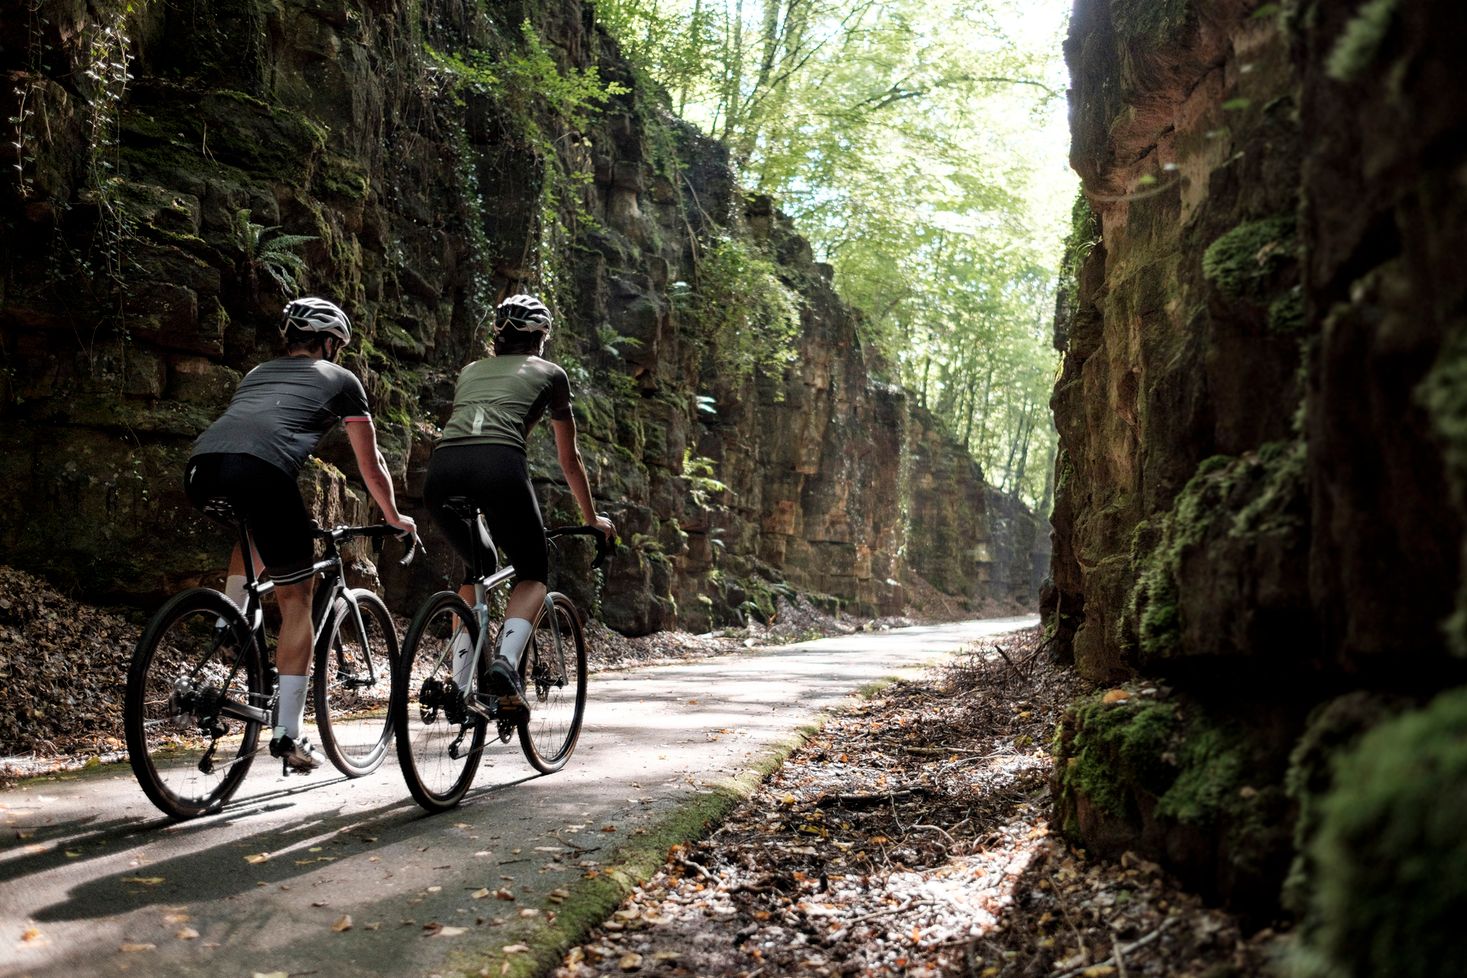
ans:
(202, 681)
(442, 728)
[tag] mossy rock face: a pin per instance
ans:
(1391, 853)
(1153, 23)
(1333, 728)
(1217, 577)
(1179, 782)
(1443, 393)
(1245, 261)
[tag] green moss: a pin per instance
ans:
(1154, 23)
(1083, 237)
(1360, 43)
(1262, 492)
(1392, 852)
(1242, 262)
(1443, 395)
(1212, 768)
(342, 177)
(1152, 612)
(1278, 468)
(1332, 729)
(1117, 748)
(1286, 313)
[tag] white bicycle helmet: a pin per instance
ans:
(311, 315)
(523, 314)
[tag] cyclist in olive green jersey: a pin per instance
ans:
(481, 456)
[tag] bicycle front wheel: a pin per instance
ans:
(438, 741)
(195, 701)
(553, 668)
(355, 661)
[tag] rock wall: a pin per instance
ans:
(161, 155)
(1260, 505)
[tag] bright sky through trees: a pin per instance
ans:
(921, 146)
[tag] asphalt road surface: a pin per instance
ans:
(93, 881)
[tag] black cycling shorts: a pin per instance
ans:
(497, 478)
(268, 499)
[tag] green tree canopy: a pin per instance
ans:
(919, 145)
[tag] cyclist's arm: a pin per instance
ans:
(363, 437)
(575, 473)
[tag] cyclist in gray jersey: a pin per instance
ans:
(481, 456)
(252, 455)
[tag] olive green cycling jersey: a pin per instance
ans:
(498, 400)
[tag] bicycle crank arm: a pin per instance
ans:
(248, 714)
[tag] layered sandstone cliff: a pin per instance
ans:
(157, 146)
(1261, 493)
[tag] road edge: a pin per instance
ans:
(592, 900)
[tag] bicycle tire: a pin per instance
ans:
(555, 687)
(428, 723)
(184, 668)
(352, 702)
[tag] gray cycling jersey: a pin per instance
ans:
(499, 399)
(281, 410)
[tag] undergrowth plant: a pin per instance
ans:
(268, 254)
(550, 108)
(751, 315)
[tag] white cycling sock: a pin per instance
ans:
(513, 638)
(290, 712)
(463, 657)
(234, 589)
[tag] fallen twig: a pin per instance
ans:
(1120, 951)
(1000, 651)
(871, 800)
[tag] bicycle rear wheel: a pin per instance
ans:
(353, 684)
(554, 673)
(195, 701)
(438, 742)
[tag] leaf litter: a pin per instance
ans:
(911, 837)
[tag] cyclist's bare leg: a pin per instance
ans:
(236, 562)
(234, 581)
(293, 648)
(526, 600)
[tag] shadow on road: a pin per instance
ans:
(228, 868)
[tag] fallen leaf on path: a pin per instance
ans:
(558, 896)
(132, 948)
(343, 923)
(258, 857)
(144, 880)
(176, 917)
(630, 961)
(270, 974)
(187, 934)
(515, 948)
(451, 931)
(478, 894)
(504, 893)
(31, 935)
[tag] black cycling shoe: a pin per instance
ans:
(296, 756)
(504, 682)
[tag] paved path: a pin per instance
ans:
(88, 868)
